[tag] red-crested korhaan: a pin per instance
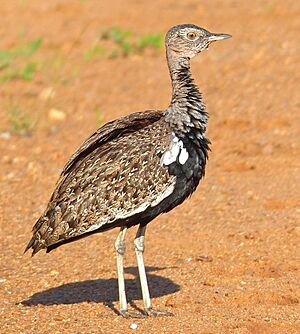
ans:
(134, 168)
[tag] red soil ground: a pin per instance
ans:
(227, 260)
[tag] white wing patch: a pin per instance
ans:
(176, 150)
(183, 156)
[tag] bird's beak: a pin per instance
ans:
(217, 37)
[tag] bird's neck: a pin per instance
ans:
(187, 111)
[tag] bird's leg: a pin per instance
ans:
(120, 248)
(139, 250)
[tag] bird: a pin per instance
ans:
(134, 168)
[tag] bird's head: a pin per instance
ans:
(187, 40)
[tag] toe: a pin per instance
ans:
(157, 313)
(126, 314)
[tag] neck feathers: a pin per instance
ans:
(186, 113)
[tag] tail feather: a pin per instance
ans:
(29, 245)
(36, 244)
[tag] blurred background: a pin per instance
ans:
(69, 66)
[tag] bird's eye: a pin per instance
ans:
(191, 36)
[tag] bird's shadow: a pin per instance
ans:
(103, 290)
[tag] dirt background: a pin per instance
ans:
(227, 260)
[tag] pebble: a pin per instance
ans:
(208, 283)
(249, 236)
(5, 135)
(268, 149)
(47, 94)
(297, 230)
(250, 193)
(204, 258)
(9, 176)
(56, 115)
(6, 159)
(54, 273)
(133, 326)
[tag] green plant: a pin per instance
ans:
(26, 73)
(114, 53)
(153, 40)
(16, 63)
(20, 121)
(121, 43)
(93, 51)
(120, 38)
(99, 117)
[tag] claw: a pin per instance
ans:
(157, 313)
(126, 314)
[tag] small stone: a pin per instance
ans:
(204, 258)
(268, 149)
(56, 115)
(297, 230)
(208, 283)
(170, 302)
(47, 94)
(250, 194)
(5, 135)
(133, 326)
(249, 236)
(30, 165)
(6, 159)
(10, 176)
(54, 273)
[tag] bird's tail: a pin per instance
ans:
(36, 243)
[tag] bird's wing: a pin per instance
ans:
(111, 130)
(114, 175)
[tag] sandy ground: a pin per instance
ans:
(227, 260)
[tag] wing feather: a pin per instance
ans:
(111, 130)
(115, 174)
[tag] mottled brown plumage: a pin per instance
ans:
(107, 185)
(134, 168)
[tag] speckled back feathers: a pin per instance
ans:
(119, 177)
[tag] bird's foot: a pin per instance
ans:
(150, 312)
(126, 314)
